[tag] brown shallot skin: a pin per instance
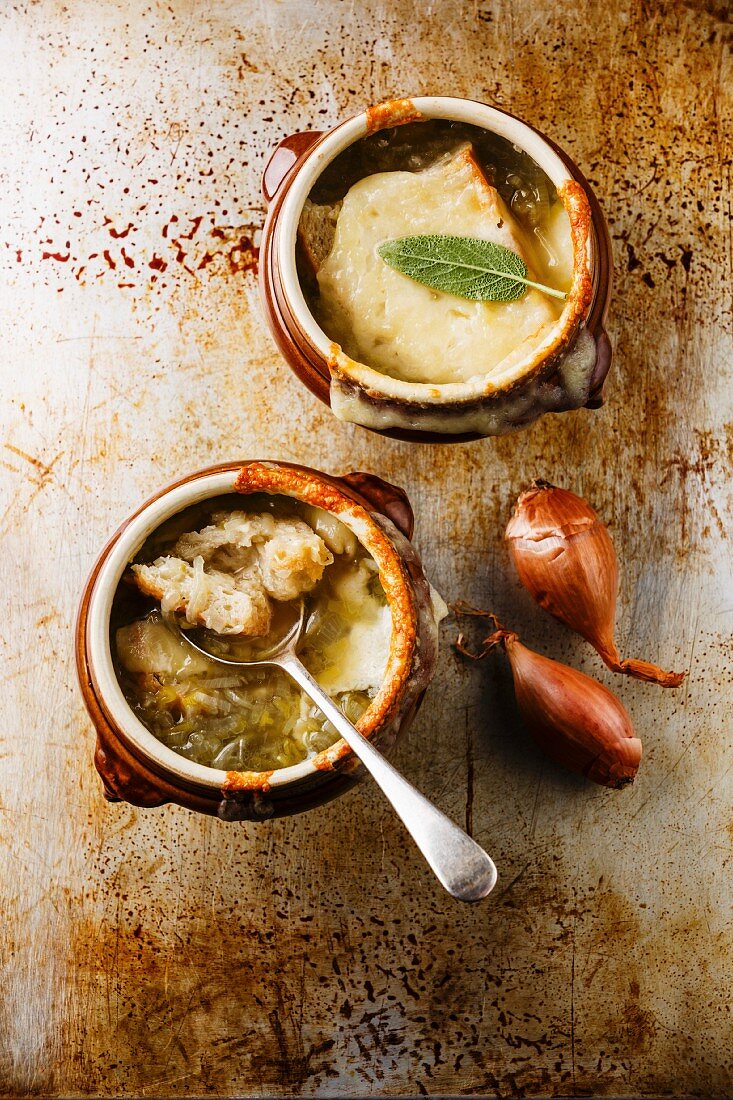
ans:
(578, 722)
(566, 560)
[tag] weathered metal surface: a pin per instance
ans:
(161, 953)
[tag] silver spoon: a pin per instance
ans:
(461, 866)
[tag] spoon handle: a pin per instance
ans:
(461, 866)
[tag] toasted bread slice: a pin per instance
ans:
(396, 325)
(223, 576)
(316, 232)
(317, 226)
(216, 600)
(506, 232)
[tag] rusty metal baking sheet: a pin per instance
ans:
(157, 953)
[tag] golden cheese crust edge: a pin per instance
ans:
(399, 585)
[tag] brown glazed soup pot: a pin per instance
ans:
(292, 170)
(137, 768)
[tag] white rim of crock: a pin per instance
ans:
(99, 655)
(345, 134)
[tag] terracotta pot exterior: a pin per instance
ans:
(130, 776)
(307, 362)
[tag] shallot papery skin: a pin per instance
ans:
(566, 560)
(577, 721)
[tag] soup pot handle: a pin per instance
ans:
(386, 498)
(123, 781)
(602, 367)
(282, 158)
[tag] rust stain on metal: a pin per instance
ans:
(219, 249)
(601, 965)
(45, 469)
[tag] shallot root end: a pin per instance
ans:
(499, 637)
(460, 647)
(462, 609)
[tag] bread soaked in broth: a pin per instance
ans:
(256, 719)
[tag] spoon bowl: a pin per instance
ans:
(256, 651)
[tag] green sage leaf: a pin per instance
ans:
(466, 267)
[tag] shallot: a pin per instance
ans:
(577, 721)
(566, 560)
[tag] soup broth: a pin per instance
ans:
(254, 719)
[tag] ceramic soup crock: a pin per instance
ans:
(564, 373)
(135, 767)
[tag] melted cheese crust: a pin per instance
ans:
(382, 318)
